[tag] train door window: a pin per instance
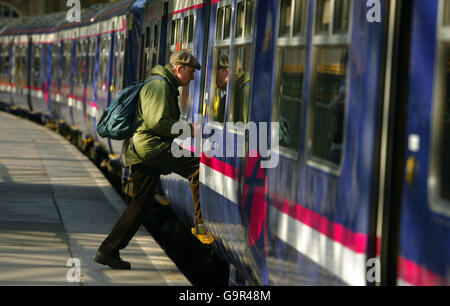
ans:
(439, 185)
(37, 63)
(66, 61)
(290, 68)
(104, 55)
(120, 57)
(21, 67)
(446, 21)
(55, 61)
(341, 17)
(147, 51)
(326, 115)
(323, 16)
(2, 64)
(44, 59)
(185, 98)
(220, 73)
(241, 69)
(191, 29)
(444, 153)
(188, 31)
(153, 55)
(92, 53)
(176, 33)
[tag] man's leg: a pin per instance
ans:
(144, 184)
(187, 167)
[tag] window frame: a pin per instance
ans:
(437, 203)
(322, 40)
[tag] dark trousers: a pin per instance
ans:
(145, 178)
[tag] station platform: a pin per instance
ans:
(56, 208)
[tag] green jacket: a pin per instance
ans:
(242, 97)
(159, 110)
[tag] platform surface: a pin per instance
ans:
(56, 208)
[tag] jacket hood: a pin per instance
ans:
(166, 73)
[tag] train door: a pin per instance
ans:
(424, 246)
(227, 92)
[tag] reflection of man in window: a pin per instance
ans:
(242, 91)
(220, 96)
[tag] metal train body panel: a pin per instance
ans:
(425, 229)
(312, 219)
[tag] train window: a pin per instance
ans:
(242, 59)
(176, 29)
(37, 62)
(219, 87)
(289, 18)
(328, 103)
(147, 37)
(104, 56)
(336, 11)
(447, 13)
(188, 30)
(2, 65)
(248, 17)
(291, 66)
(155, 36)
(191, 29)
(244, 18)
(55, 63)
(323, 16)
(227, 23)
(219, 23)
(285, 17)
(92, 53)
(240, 14)
(341, 16)
(444, 153)
(67, 47)
(185, 29)
(240, 86)
(300, 17)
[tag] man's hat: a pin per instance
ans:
(223, 61)
(184, 58)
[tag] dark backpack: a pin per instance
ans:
(118, 120)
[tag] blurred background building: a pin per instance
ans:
(23, 8)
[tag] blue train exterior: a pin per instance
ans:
(353, 92)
